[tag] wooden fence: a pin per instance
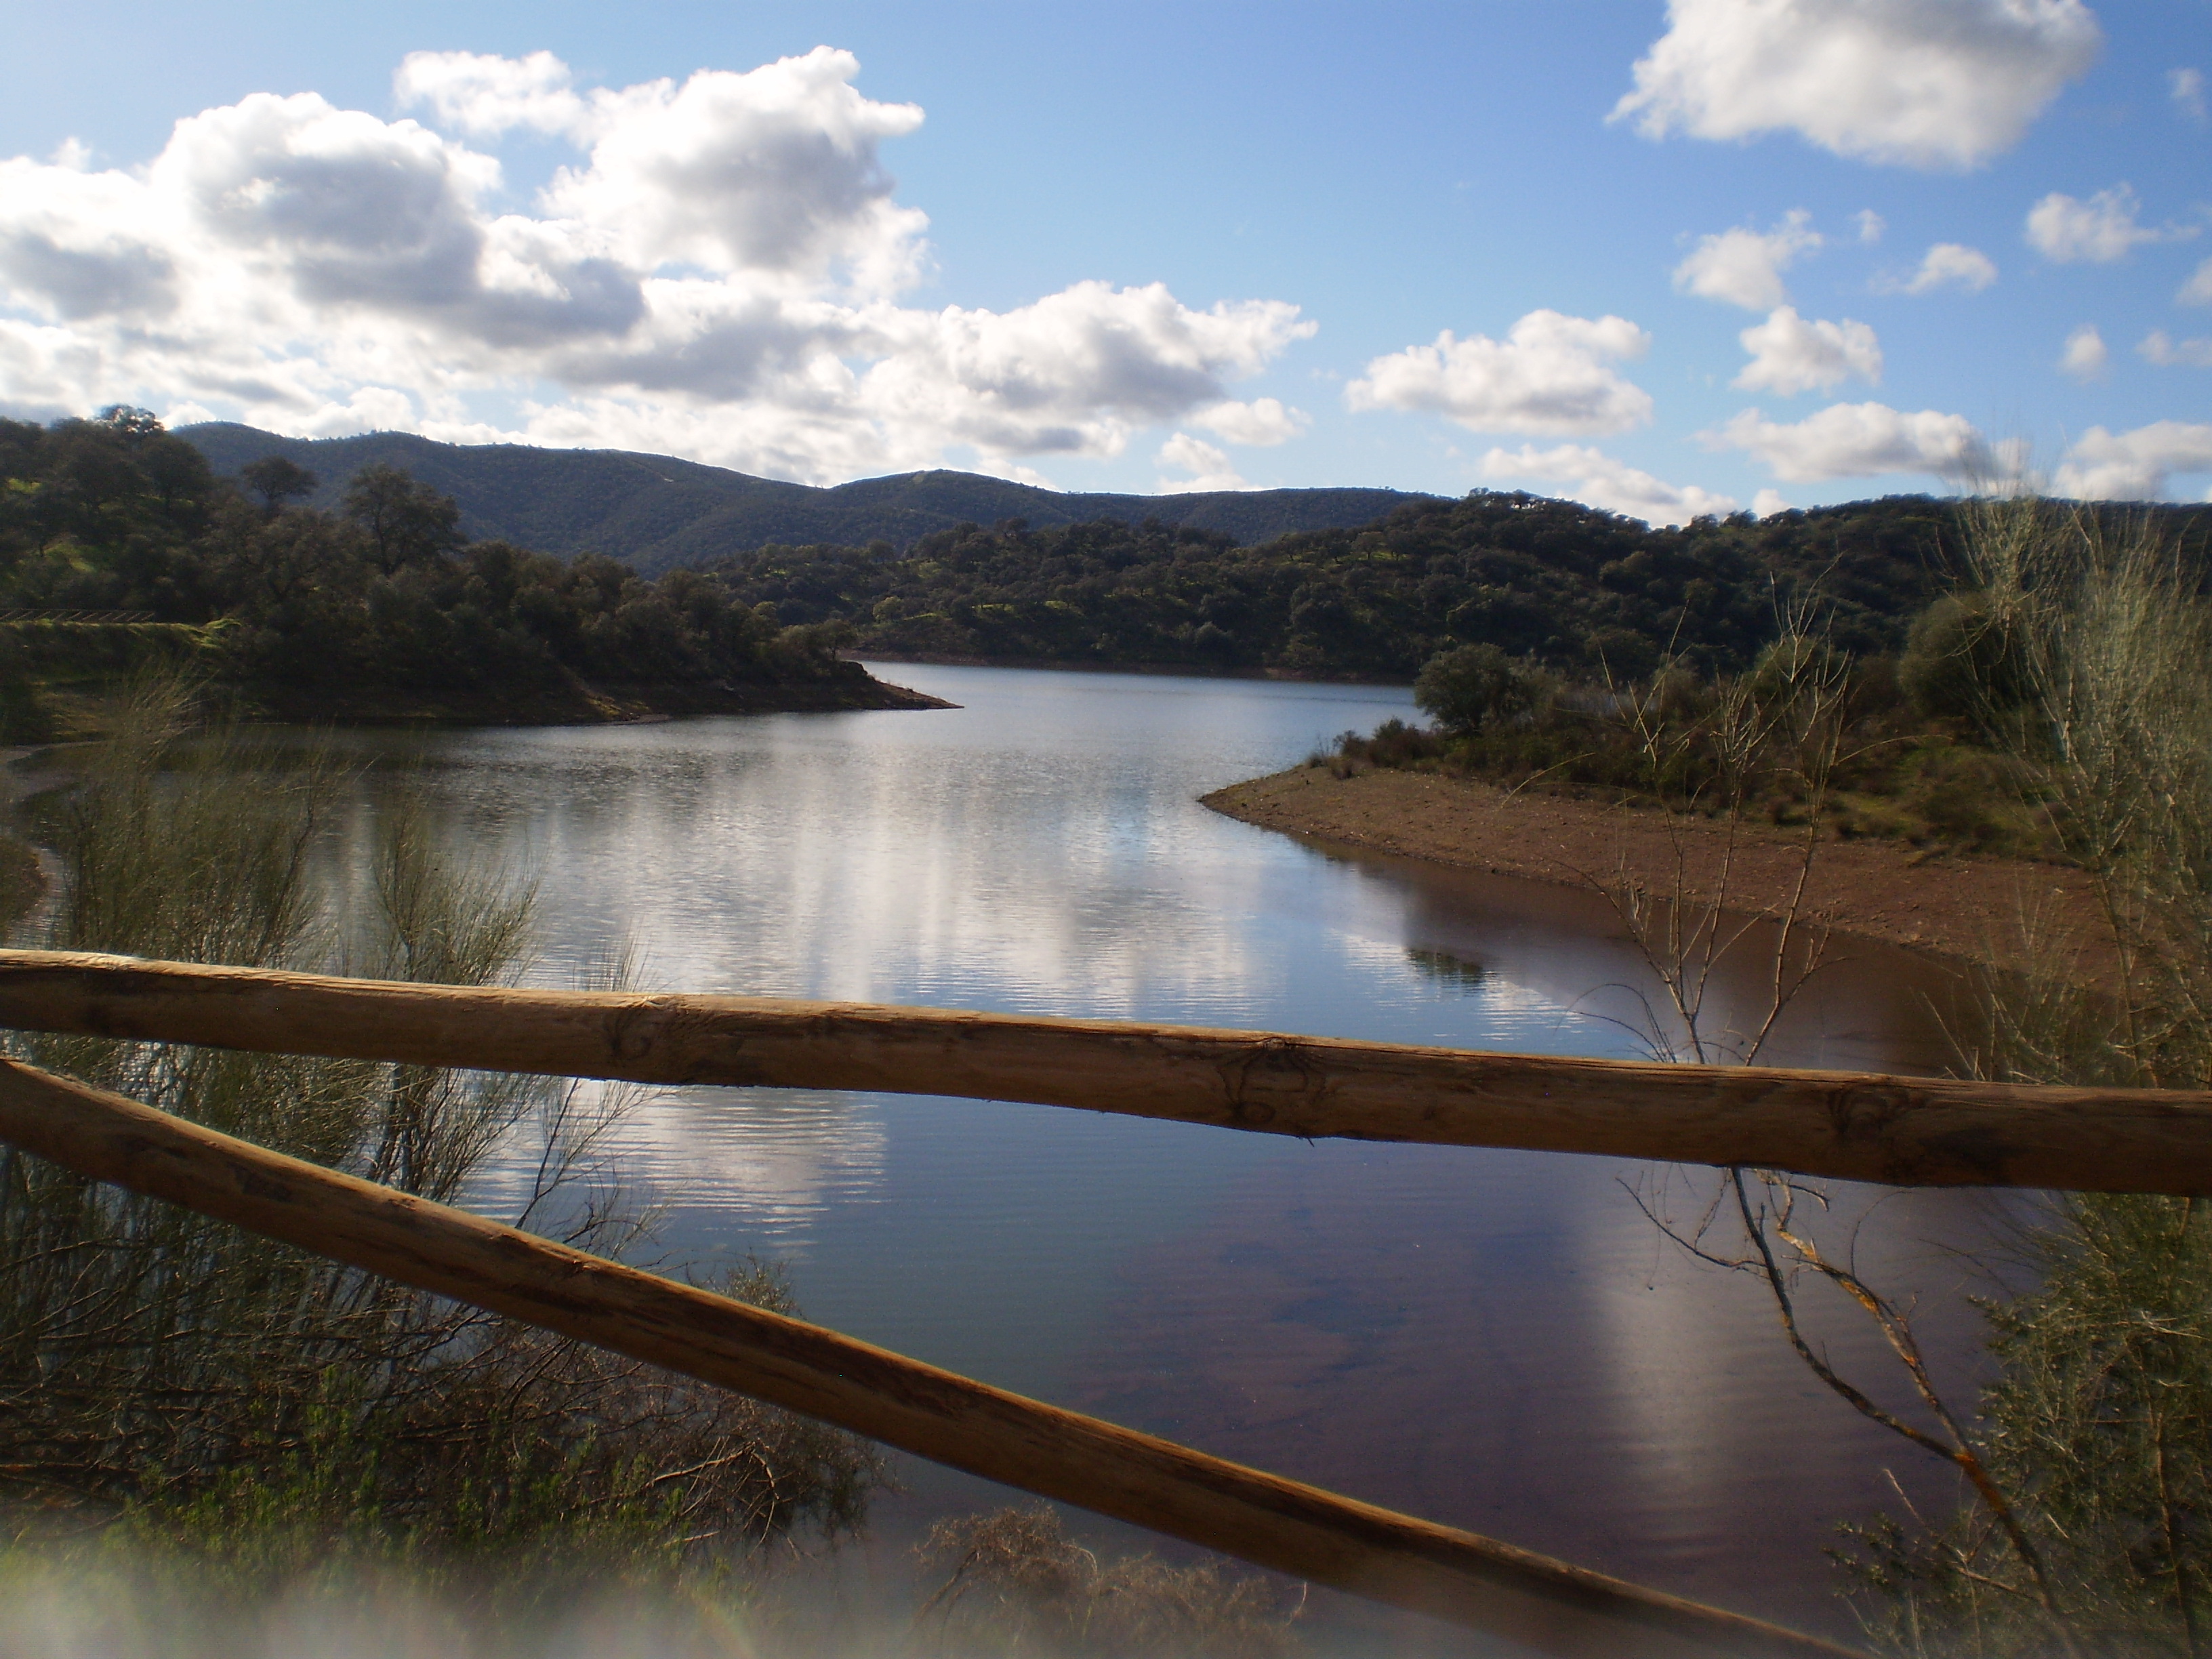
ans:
(1905, 1131)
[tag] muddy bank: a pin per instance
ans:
(1961, 907)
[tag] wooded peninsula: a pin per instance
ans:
(120, 550)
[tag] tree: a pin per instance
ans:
(277, 481)
(1470, 687)
(408, 523)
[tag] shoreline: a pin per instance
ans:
(79, 710)
(1170, 670)
(1967, 907)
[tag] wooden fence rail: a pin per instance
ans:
(1897, 1130)
(1544, 1604)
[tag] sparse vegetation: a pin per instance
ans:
(1938, 779)
(242, 1416)
(1014, 1583)
(2099, 1427)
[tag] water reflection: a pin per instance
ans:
(1497, 1340)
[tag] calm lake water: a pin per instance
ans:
(1499, 1340)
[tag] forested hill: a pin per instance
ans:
(119, 546)
(1581, 590)
(655, 513)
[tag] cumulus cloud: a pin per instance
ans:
(1791, 353)
(2085, 357)
(1908, 82)
(2066, 230)
(1552, 373)
(1768, 502)
(1209, 465)
(1870, 223)
(1258, 424)
(1947, 264)
(1596, 479)
(2160, 348)
(716, 273)
(2187, 88)
(1859, 440)
(2198, 290)
(1744, 267)
(489, 96)
(2133, 466)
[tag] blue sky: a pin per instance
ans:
(1146, 247)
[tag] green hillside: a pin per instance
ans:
(120, 550)
(655, 513)
(1581, 590)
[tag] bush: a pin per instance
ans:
(1472, 687)
(1961, 663)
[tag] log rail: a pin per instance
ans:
(1901, 1131)
(1545, 1605)
(1897, 1131)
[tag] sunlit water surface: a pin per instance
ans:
(1495, 1340)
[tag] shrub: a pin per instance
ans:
(1472, 687)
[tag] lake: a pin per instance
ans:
(1499, 1340)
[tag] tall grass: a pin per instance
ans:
(2094, 654)
(254, 1413)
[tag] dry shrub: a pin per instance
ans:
(251, 1412)
(2099, 1427)
(1016, 1583)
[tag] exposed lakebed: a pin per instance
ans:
(1499, 1341)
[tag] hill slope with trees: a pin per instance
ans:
(1577, 590)
(655, 513)
(117, 541)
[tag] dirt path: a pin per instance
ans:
(1961, 907)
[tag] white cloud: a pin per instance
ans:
(1791, 353)
(774, 170)
(2133, 466)
(1859, 440)
(716, 275)
(370, 409)
(1768, 502)
(2085, 357)
(2198, 290)
(1596, 479)
(2186, 87)
(1870, 223)
(1209, 465)
(1258, 424)
(1947, 264)
(2161, 349)
(489, 95)
(2099, 231)
(1744, 267)
(1552, 373)
(1927, 83)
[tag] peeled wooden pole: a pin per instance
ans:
(1298, 1529)
(1931, 1132)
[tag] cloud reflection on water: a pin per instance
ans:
(1493, 1338)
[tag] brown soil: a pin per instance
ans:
(1954, 905)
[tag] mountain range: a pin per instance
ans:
(655, 513)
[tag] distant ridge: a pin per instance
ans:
(655, 513)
